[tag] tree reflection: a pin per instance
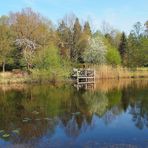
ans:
(139, 107)
(97, 102)
(48, 107)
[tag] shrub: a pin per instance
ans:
(49, 65)
(113, 57)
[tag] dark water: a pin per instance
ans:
(114, 114)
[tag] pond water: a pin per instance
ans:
(111, 114)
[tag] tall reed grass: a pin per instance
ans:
(110, 72)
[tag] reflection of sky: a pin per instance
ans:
(121, 130)
(3, 143)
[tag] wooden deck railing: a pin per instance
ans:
(84, 76)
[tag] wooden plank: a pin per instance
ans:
(86, 82)
(86, 77)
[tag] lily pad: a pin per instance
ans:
(35, 112)
(37, 119)
(26, 119)
(76, 113)
(47, 119)
(6, 135)
(16, 131)
(1, 131)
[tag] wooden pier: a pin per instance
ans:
(84, 76)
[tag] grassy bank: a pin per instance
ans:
(36, 76)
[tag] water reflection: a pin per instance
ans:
(86, 86)
(37, 116)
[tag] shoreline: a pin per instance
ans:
(103, 72)
(45, 81)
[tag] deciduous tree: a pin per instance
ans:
(96, 51)
(31, 32)
(5, 41)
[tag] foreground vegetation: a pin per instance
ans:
(32, 49)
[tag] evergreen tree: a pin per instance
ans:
(87, 29)
(77, 33)
(64, 35)
(137, 47)
(109, 39)
(123, 47)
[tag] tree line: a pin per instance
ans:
(30, 41)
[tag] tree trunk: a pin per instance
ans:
(3, 65)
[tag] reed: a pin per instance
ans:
(9, 78)
(110, 72)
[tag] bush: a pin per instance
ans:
(48, 65)
(113, 57)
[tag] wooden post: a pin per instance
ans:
(94, 75)
(77, 77)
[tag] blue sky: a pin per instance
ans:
(122, 14)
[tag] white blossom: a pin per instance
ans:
(96, 51)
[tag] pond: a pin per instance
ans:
(114, 113)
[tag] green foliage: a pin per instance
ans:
(5, 42)
(114, 97)
(137, 50)
(144, 52)
(123, 48)
(77, 33)
(97, 102)
(48, 64)
(26, 39)
(113, 56)
(65, 37)
(73, 39)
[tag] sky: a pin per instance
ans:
(122, 14)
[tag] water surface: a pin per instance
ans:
(112, 114)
